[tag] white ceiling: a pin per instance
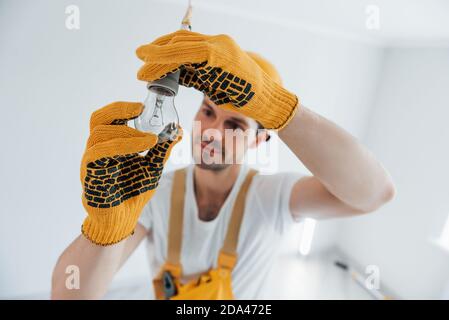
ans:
(402, 22)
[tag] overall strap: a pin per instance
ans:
(173, 262)
(228, 253)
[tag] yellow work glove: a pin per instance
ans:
(117, 181)
(218, 67)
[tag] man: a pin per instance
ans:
(242, 93)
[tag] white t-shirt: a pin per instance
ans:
(266, 219)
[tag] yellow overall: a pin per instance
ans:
(215, 284)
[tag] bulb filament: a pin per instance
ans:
(157, 118)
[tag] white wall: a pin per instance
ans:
(409, 133)
(52, 79)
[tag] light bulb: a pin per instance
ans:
(159, 114)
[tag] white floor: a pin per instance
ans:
(314, 277)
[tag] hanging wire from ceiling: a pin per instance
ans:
(186, 23)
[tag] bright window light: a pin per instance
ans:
(443, 240)
(307, 236)
(444, 236)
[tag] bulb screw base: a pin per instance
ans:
(170, 82)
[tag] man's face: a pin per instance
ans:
(222, 137)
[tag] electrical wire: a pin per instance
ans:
(186, 24)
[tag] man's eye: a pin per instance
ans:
(207, 112)
(234, 126)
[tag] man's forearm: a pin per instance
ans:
(343, 165)
(96, 264)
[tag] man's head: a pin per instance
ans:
(222, 137)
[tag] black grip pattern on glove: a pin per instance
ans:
(112, 180)
(220, 86)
